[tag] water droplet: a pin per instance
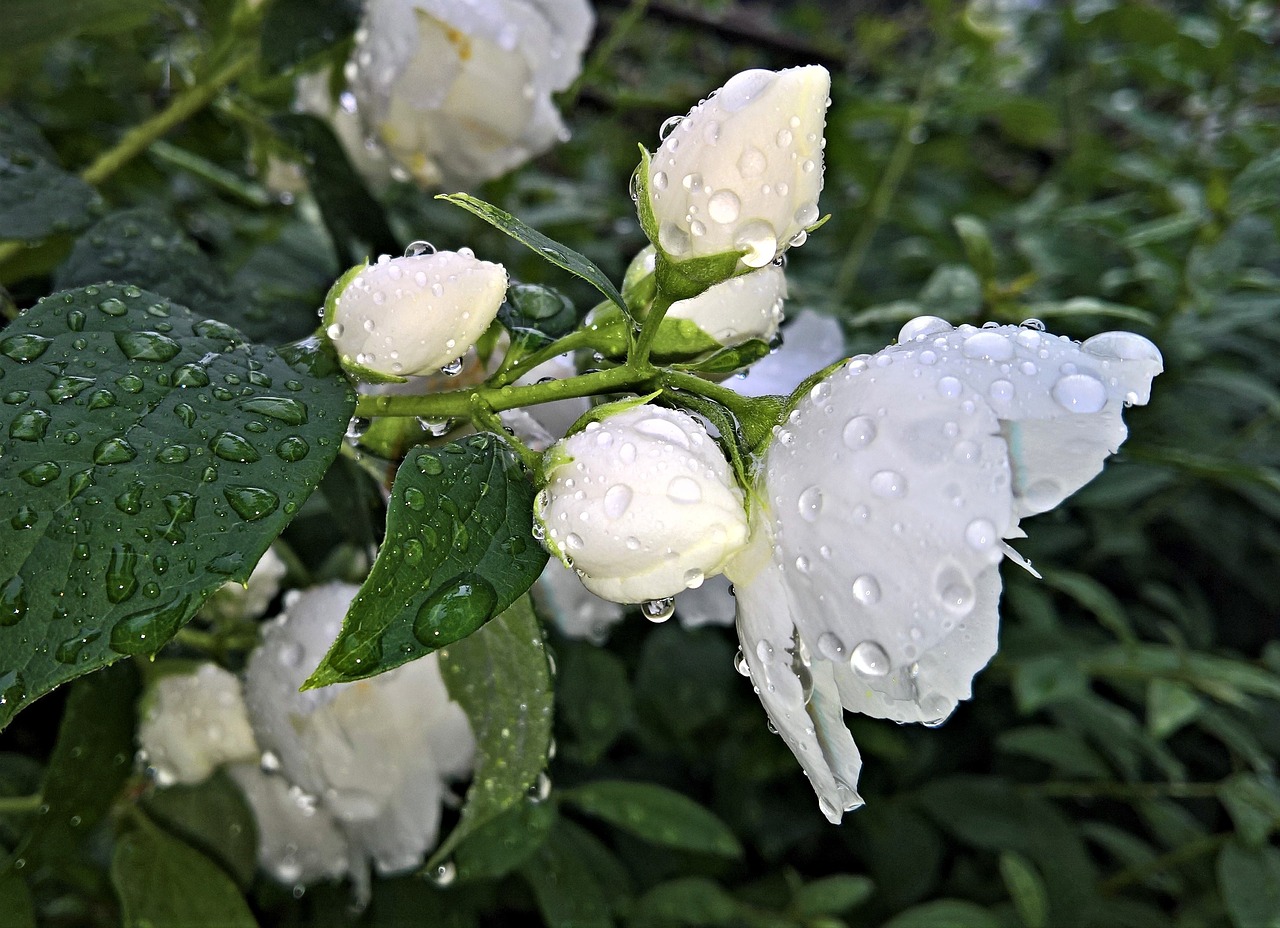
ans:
(293, 448)
(980, 535)
(232, 447)
(831, 647)
(870, 659)
(740, 664)
(251, 503)
(684, 490)
(950, 387)
(68, 387)
(888, 484)
(724, 206)
(130, 384)
(68, 652)
(173, 454)
(101, 399)
(13, 601)
(17, 397)
(281, 408)
(429, 465)
(24, 518)
(760, 242)
(114, 451)
(228, 563)
(39, 474)
(415, 499)
(23, 348)
(658, 610)
(859, 432)
(113, 307)
(810, 504)
(445, 874)
(190, 375)
(866, 590)
(147, 346)
(75, 320)
(456, 609)
(145, 631)
(752, 162)
(122, 579)
(694, 578)
(1080, 393)
(922, 327)
(1001, 391)
(30, 425)
(616, 500)
(989, 345)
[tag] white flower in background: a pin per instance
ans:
(731, 312)
(414, 315)
(871, 578)
(371, 757)
(313, 93)
(192, 723)
(810, 342)
(744, 169)
(575, 610)
(642, 504)
(250, 599)
(459, 91)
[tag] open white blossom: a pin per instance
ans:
(192, 723)
(371, 757)
(743, 170)
(459, 91)
(641, 504)
(871, 579)
(413, 315)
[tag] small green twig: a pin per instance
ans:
(649, 329)
(21, 805)
(579, 338)
(484, 417)
(605, 50)
(1178, 856)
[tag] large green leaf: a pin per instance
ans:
(37, 197)
(214, 817)
(163, 881)
(502, 679)
(33, 22)
(567, 888)
(459, 549)
(657, 814)
(148, 457)
(1250, 882)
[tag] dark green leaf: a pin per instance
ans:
(150, 456)
(537, 314)
(553, 251)
(657, 814)
(953, 291)
(214, 817)
(593, 701)
(1250, 882)
(685, 678)
(162, 881)
(501, 678)
(505, 841)
(146, 248)
(37, 197)
(944, 913)
(355, 220)
(33, 22)
(977, 245)
(730, 360)
(295, 30)
(459, 549)
(1170, 706)
(1254, 803)
(15, 901)
(832, 895)
(687, 901)
(562, 876)
(1026, 889)
(90, 764)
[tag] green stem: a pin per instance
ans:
(732, 400)
(649, 328)
(21, 805)
(181, 108)
(483, 416)
(579, 338)
(605, 50)
(1136, 791)
(458, 403)
(215, 174)
(1209, 844)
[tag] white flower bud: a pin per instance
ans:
(413, 315)
(731, 312)
(871, 580)
(643, 504)
(744, 169)
(192, 723)
(459, 91)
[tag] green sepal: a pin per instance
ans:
(683, 280)
(599, 414)
(536, 315)
(681, 340)
(728, 360)
(644, 205)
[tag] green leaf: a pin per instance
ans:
(1065, 751)
(657, 814)
(146, 248)
(1170, 706)
(593, 701)
(501, 678)
(506, 841)
(214, 817)
(953, 291)
(296, 30)
(162, 881)
(977, 245)
(1043, 681)
(565, 883)
(539, 315)
(459, 550)
(355, 220)
(15, 901)
(35, 22)
(944, 913)
(692, 900)
(832, 895)
(90, 763)
(149, 457)
(1253, 800)
(726, 360)
(1094, 597)
(559, 255)
(1249, 879)
(37, 197)
(1026, 889)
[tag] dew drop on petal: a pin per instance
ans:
(831, 647)
(888, 484)
(866, 590)
(870, 659)
(922, 327)
(859, 432)
(1080, 393)
(810, 504)
(980, 535)
(658, 610)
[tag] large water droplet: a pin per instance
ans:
(67, 387)
(68, 652)
(190, 375)
(922, 327)
(114, 451)
(30, 425)
(760, 242)
(1080, 393)
(122, 580)
(684, 490)
(859, 432)
(13, 601)
(870, 659)
(988, 344)
(888, 484)
(658, 610)
(831, 647)
(252, 503)
(954, 591)
(456, 609)
(810, 504)
(147, 346)
(23, 348)
(980, 535)
(866, 590)
(724, 206)
(616, 500)
(173, 454)
(130, 501)
(39, 474)
(280, 408)
(293, 448)
(232, 447)
(429, 465)
(145, 631)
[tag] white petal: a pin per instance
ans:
(810, 342)
(807, 716)
(194, 722)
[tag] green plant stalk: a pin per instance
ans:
(649, 329)
(21, 805)
(605, 50)
(579, 338)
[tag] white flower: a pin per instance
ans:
(459, 91)
(371, 757)
(731, 312)
(413, 315)
(744, 169)
(642, 504)
(810, 342)
(871, 579)
(250, 599)
(192, 723)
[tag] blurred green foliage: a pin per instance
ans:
(1096, 164)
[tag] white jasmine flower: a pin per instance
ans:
(871, 579)
(312, 93)
(250, 599)
(193, 723)
(412, 315)
(642, 504)
(742, 171)
(731, 312)
(459, 91)
(372, 756)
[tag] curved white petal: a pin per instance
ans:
(575, 610)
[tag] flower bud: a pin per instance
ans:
(642, 503)
(729, 313)
(412, 315)
(742, 172)
(459, 91)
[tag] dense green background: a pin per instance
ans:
(1095, 164)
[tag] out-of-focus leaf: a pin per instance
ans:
(1026, 889)
(953, 291)
(657, 814)
(1250, 882)
(944, 913)
(593, 701)
(1170, 706)
(832, 895)
(213, 817)
(32, 22)
(295, 30)
(1254, 803)
(15, 901)
(568, 892)
(505, 841)
(687, 901)
(37, 197)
